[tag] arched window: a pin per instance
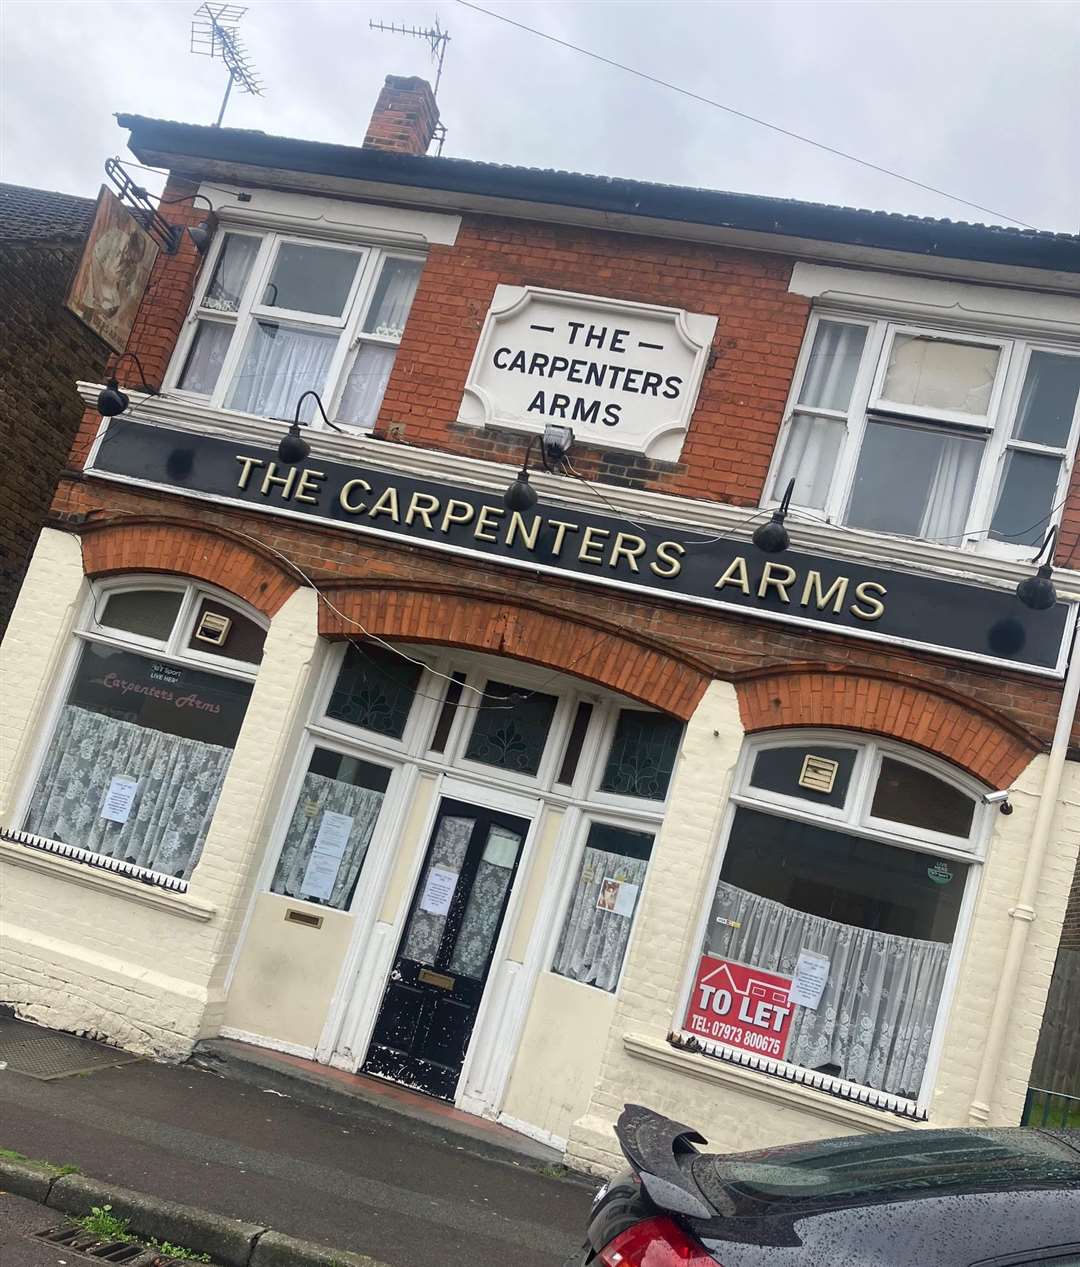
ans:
(139, 750)
(828, 943)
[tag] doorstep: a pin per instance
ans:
(360, 1095)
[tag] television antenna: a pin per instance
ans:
(437, 40)
(214, 34)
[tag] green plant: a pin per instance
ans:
(176, 1251)
(101, 1222)
(9, 1154)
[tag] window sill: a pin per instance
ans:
(759, 1085)
(180, 904)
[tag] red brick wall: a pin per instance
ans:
(404, 117)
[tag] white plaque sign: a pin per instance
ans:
(622, 375)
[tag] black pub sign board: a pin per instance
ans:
(841, 596)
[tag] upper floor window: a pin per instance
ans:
(276, 316)
(946, 436)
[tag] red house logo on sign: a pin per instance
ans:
(741, 1006)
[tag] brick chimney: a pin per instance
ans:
(404, 118)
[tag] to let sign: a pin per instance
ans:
(619, 373)
(740, 1006)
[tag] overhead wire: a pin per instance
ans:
(741, 114)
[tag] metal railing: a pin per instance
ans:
(1050, 1108)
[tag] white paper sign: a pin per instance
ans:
(626, 899)
(501, 848)
(438, 891)
(809, 980)
(617, 896)
(323, 866)
(118, 799)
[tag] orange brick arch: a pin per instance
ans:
(146, 543)
(602, 653)
(984, 743)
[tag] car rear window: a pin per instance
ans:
(874, 1167)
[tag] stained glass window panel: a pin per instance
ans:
(642, 755)
(374, 690)
(511, 728)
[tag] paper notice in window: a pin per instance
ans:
(626, 899)
(323, 866)
(118, 799)
(810, 979)
(438, 891)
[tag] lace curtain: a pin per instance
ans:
(593, 941)
(448, 851)
(877, 1014)
(480, 923)
(179, 781)
(366, 385)
(281, 363)
(320, 793)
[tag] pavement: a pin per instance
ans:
(359, 1177)
(19, 1219)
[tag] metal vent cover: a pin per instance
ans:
(47, 1054)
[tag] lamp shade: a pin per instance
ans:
(521, 495)
(772, 538)
(293, 447)
(1038, 592)
(112, 401)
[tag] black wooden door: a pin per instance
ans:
(430, 1005)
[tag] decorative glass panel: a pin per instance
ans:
(913, 480)
(907, 794)
(480, 923)
(315, 279)
(374, 690)
(393, 298)
(148, 613)
(205, 357)
(366, 385)
(331, 829)
(448, 850)
(820, 774)
(602, 905)
(511, 728)
(1048, 401)
(642, 755)
(938, 374)
(226, 288)
(280, 364)
(810, 453)
(138, 758)
(1026, 497)
(223, 631)
(833, 365)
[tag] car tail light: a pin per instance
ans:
(654, 1243)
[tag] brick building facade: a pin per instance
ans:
(479, 791)
(43, 351)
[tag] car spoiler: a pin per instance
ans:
(653, 1145)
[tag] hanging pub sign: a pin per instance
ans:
(116, 263)
(862, 600)
(621, 374)
(741, 1006)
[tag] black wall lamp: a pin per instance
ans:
(554, 446)
(1037, 592)
(772, 538)
(111, 400)
(200, 234)
(292, 447)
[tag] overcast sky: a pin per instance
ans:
(981, 99)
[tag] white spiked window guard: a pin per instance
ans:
(96, 860)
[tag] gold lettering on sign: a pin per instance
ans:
(354, 508)
(386, 504)
(485, 529)
(668, 552)
(285, 482)
(836, 593)
(422, 506)
(248, 465)
(735, 574)
(874, 608)
(777, 576)
(457, 512)
(591, 539)
(561, 529)
(622, 549)
(307, 490)
(517, 529)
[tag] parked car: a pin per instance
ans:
(913, 1198)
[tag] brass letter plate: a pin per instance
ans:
(436, 978)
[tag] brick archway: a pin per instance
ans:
(145, 543)
(600, 653)
(982, 742)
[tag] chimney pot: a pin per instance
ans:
(404, 118)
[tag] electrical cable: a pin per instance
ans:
(741, 114)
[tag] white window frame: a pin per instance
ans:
(856, 822)
(351, 335)
(997, 427)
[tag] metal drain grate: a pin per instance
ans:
(47, 1054)
(74, 1238)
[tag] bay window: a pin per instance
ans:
(940, 435)
(276, 316)
(835, 916)
(146, 730)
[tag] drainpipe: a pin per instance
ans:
(1023, 913)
